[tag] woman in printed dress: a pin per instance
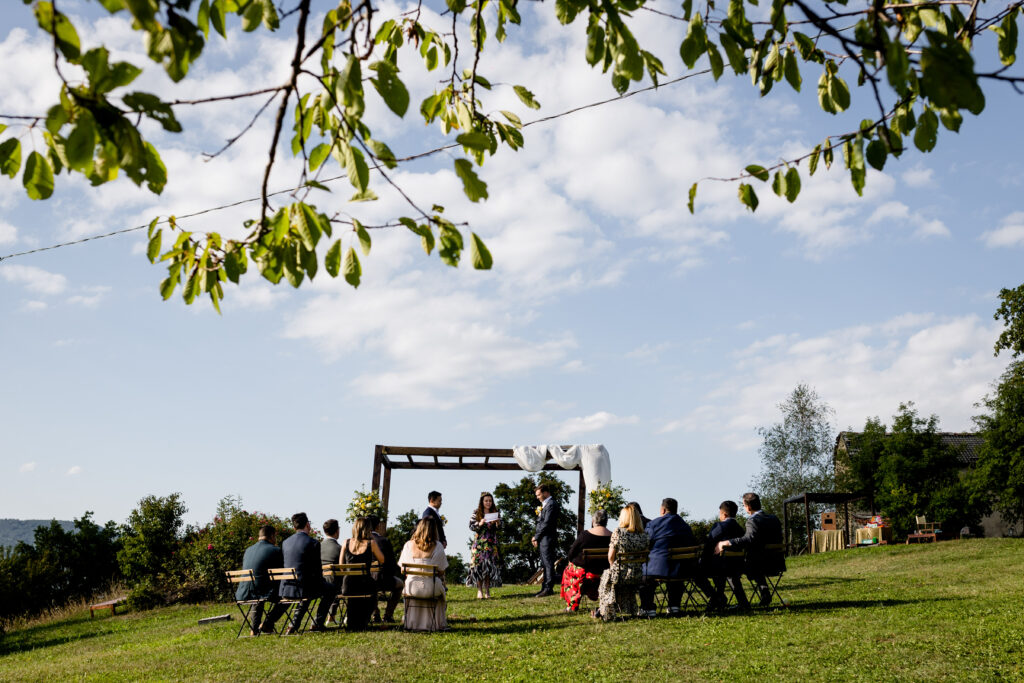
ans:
(485, 563)
(617, 593)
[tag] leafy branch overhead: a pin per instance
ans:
(915, 64)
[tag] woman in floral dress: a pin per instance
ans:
(617, 593)
(485, 563)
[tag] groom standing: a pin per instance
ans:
(546, 537)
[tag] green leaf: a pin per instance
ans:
(748, 196)
(217, 18)
(839, 92)
(805, 45)
(153, 107)
(307, 224)
(63, 31)
(474, 188)
(695, 43)
(896, 66)
(927, 131)
(824, 98)
(81, 143)
(692, 197)
(595, 44)
(876, 153)
(792, 184)
(426, 235)
(382, 152)
(390, 87)
(363, 235)
(332, 262)
(758, 172)
(351, 268)
(737, 60)
(779, 184)
(792, 70)
(951, 119)
(1007, 44)
(715, 58)
(474, 140)
(253, 16)
(358, 171)
(203, 18)
(318, 155)
(526, 97)
(812, 161)
(153, 248)
(233, 264)
(38, 177)
(854, 150)
(948, 78)
(481, 255)
(565, 11)
(826, 154)
(10, 156)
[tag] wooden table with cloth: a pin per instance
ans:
(866, 534)
(829, 539)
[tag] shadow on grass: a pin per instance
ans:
(459, 619)
(822, 605)
(29, 642)
(820, 582)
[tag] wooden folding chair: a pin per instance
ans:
(429, 572)
(337, 573)
(773, 564)
(590, 555)
(635, 558)
(290, 604)
(732, 562)
(924, 526)
(236, 578)
(688, 559)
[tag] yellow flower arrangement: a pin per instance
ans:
(607, 497)
(365, 504)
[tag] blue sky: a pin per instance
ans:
(611, 315)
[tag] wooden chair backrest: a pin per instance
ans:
(633, 557)
(690, 553)
(413, 569)
(240, 576)
(351, 569)
(285, 574)
(594, 553)
(921, 519)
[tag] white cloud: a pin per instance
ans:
(33, 306)
(34, 279)
(74, 470)
(8, 233)
(575, 366)
(898, 215)
(648, 352)
(91, 296)
(918, 176)
(944, 365)
(1009, 234)
(590, 423)
(27, 467)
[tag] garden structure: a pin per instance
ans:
(388, 458)
(826, 498)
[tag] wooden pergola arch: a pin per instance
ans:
(388, 458)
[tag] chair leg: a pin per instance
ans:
(246, 621)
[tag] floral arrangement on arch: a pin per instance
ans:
(364, 505)
(607, 497)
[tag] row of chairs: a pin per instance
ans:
(339, 608)
(733, 562)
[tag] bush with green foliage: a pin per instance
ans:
(518, 506)
(151, 541)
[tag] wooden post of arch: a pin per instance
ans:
(388, 458)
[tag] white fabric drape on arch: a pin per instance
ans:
(593, 459)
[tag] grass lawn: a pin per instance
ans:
(953, 610)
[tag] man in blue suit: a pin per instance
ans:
(302, 553)
(717, 567)
(665, 532)
(259, 557)
(545, 538)
(433, 513)
(762, 529)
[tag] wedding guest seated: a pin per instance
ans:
(425, 548)
(302, 553)
(389, 578)
(665, 532)
(259, 557)
(360, 549)
(582, 576)
(617, 592)
(762, 530)
(718, 568)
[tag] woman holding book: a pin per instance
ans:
(485, 563)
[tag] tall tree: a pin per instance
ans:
(998, 475)
(796, 454)
(518, 506)
(915, 63)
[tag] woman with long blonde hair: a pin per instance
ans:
(424, 549)
(617, 593)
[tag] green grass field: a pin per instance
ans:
(950, 611)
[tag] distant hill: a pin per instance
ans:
(14, 530)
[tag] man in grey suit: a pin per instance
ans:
(259, 557)
(302, 553)
(330, 553)
(546, 537)
(762, 529)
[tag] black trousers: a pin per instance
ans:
(276, 610)
(649, 586)
(328, 591)
(546, 545)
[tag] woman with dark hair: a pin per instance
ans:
(360, 549)
(485, 558)
(424, 548)
(581, 576)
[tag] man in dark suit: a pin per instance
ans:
(302, 553)
(665, 532)
(762, 529)
(545, 538)
(719, 568)
(330, 553)
(259, 557)
(389, 579)
(433, 513)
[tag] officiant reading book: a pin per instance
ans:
(485, 563)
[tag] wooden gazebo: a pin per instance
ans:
(388, 458)
(807, 499)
